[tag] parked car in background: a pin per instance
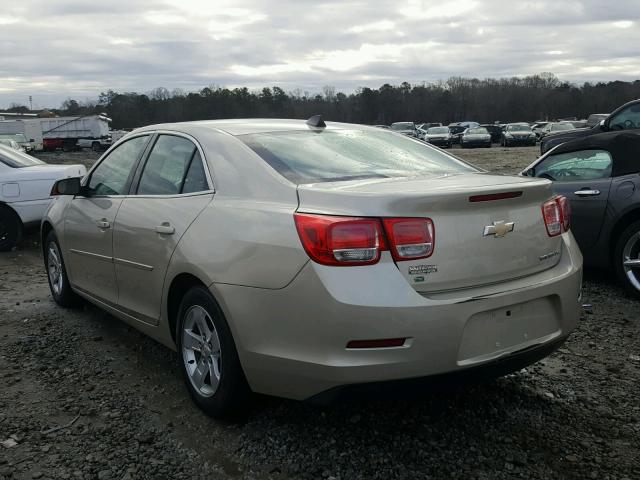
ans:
(406, 128)
(439, 136)
(577, 123)
(537, 128)
(625, 117)
(12, 144)
(456, 132)
(556, 127)
(598, 174)
(517, 134)
(296, 258)
(475, 137)
(26, 145)
(426, 126)
(595, 118)
(25, 192)
(495, 130)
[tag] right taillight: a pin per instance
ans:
(556, 213)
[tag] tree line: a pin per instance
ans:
(536, 97)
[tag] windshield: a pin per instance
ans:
(437, 130)
(477, 131)
(518, 128)
(558, 127)
(402, 126)
(15, 159)
(338, 155)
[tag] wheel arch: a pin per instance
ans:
(620, 225)
(179, 286)
(45, 229)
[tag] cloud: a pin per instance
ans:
(74, 48)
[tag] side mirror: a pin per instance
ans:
(604, 125)
(66, 186)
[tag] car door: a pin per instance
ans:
(89, 221)
(584, 177)
(171, 188)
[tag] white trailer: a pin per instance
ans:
(31, 129)
(66, 132)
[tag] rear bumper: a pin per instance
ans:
(292, 341)
(468, 376)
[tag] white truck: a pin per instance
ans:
(30, 128)
(70, 133)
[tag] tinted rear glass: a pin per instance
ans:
(328, 156)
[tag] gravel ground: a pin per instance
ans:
(82, 395)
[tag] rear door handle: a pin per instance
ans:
(587, 193)
(103, 223)
(165, 229)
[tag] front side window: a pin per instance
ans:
(627, 119)
(173, 162)
(581, 165)
(337, 155)
(112, 174)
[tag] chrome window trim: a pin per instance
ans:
(150, 134)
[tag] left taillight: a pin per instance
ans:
(340, 241)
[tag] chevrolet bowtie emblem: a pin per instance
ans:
(498, 229)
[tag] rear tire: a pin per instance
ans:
(57, 276)
(10, 229)
(208, 357)
(95, 146)
(627, 249)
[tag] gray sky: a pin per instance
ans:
(55, 49)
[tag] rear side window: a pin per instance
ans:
(195, 180)
(112, 175)
(174, 166)
(337, 155)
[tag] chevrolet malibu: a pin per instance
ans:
(297, 258)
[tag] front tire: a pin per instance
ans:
(57, 276)
(10, 229)
(208, 357)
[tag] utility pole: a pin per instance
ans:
(30, 103)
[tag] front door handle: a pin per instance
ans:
(165, 229)
(587, 193)
(103, 224)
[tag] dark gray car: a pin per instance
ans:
(599, 176)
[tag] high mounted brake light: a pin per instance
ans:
(349, 241)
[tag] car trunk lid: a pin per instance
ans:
(480, 236)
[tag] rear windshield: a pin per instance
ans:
(518, 128)
(338, 155)
(478, 131)
(435, 130)
(15, 159)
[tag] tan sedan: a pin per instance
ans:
(296, 258)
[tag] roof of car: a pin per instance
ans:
(624, 147)
(242, 126)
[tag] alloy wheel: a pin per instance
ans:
(631, 260)
(54, 268)
(201, 351)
